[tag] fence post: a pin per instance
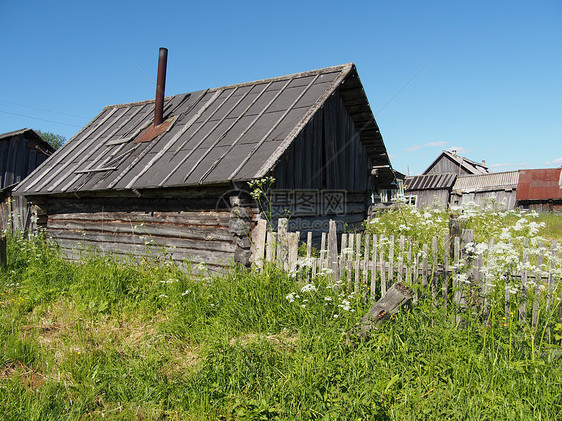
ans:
(523, 304)
(257, 247)
(537, 289)
(333, 249)
(3, 252)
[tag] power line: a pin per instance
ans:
(42, 109)
(403, 87)
(42, 119)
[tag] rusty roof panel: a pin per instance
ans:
(540, 184)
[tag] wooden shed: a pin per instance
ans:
(540, 190)
(495, 189)
(125, 185)
(21, 152)
(429, 189)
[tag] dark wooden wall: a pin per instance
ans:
(18, 158)
(327, 154)
(15, 214)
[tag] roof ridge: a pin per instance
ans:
(330, 69)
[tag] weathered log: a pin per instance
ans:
(395, 298)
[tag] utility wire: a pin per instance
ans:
(42, 109)
(42, 119)
(403, 87)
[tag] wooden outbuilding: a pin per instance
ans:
(494, 189)
(126, 185)
(540, 190)
(21, 152)
(433, 187)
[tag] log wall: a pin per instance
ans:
(186, 230)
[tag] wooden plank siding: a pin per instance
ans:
(183, 236)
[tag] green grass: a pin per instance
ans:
(553, 229)
(104, 339)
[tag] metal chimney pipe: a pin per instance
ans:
(160, 87)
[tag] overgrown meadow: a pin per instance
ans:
(141, 340)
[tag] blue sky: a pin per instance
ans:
(482, 77)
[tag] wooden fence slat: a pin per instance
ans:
(401, 259)
(391, 262)
(270, 247)
(445, 277)
(550, 288)
(293, 250)
(457, 294)
(424, 268)
(367, 260)
(382, 266)
(258, 244)
(408, 267)
(487, 280)
(523, 299)
(374, 268)
(433, 269)
(537, 290)
(333, 249)
(323, 251)
(343, 254)
(357, 261)
(416, 280)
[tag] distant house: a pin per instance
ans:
(434, 185)
(129, 184)
(429, 189)
(21, 152)
(497, 189)
(540, 190)
(448, 162)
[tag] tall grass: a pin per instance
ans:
(134, 340)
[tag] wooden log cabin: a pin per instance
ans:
(128, 184)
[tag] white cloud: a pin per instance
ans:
(509, 166)
(427, 145)
(435, 144)
(460, 150)
(557, 161)
(414, 148)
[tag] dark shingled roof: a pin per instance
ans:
(429, 182)
(232, 133)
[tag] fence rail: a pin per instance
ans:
(448, 270)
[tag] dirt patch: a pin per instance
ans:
(28, 377)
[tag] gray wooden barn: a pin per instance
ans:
(21, 152)
(177, 184)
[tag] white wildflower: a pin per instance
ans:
(309, 288)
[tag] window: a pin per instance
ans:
(411, 200)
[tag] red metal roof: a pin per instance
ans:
(541, 184)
